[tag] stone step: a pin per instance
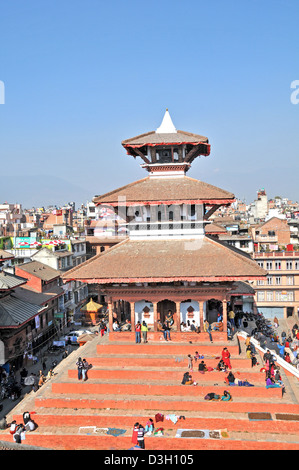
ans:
(64, 404)
(163, 348)
(166, 376)
(176, 336)
(163, 405)
(157, 390)
(165, 361)
(126, 421)
(75, 441)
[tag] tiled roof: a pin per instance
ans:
(165, 261)
(214, 228)
(242, 288)
(5, 255)
(40, 270)
(173, 190)
(156, 138)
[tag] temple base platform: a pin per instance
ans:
(175, 337)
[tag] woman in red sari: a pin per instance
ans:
(226, 358)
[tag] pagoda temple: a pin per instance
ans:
(167, 264)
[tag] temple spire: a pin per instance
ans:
(167, 126)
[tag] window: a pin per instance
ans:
(260, 282)
(269, 280)
(277, 264)
(289, 265)
(175, 154)
(277, 280)
(271, 233)
(290, 280)
(261, 263)
(269, 296)
(269, 265)
(296, 264)
(164, 155)
(260, 296)
(283, 296)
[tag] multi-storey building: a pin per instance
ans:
(62, 260)
(271, 235)
(278, 294)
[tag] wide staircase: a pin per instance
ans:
(131, 383)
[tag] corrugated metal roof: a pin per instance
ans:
(9, 281)
(14, 312)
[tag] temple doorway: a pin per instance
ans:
(213, 308)
(164, 307)
(122, 310)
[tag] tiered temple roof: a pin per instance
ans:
(183, 190)
(175, 260)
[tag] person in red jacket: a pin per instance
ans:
(226, 358)
(138, 332)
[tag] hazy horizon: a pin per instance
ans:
(79, 78)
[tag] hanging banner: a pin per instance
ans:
(37, 322)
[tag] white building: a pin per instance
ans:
(259, 208)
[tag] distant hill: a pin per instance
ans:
(42, 190)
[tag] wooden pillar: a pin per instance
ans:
(155, 305)
(224, 314)
(177, 319)
(132, 307)
(110, 307)
(118, 310)
(201, 312)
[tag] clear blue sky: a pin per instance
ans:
(81, 76)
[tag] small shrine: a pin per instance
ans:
(91, 310)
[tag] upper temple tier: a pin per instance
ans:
(167, 150)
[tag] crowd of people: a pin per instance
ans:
(18, 431)
(272, 372)
(223, 365)
(285, 345)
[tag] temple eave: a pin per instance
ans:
(167, 202)
(132, 280)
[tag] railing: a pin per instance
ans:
(167, 225)
(23, 252)
(276, 254)
(265, 238)
(290, 368)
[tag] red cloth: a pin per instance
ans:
(159, 417)
(225, 358)
(134, 435)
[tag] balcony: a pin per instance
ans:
(166, 229)
(266, 239)
(276, 254)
